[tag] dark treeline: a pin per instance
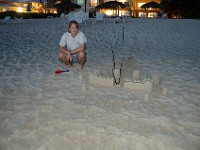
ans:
(184, 8)
(25, 15)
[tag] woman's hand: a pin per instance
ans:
(69, 54)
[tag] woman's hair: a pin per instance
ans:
(73, 22)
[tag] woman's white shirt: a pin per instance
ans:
(72, 43)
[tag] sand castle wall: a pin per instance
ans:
(94, 79)
(146, 86)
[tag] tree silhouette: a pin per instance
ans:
(186, 8)
(85, 5)
(28, 7)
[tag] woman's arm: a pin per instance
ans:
(64, 50)
(79, 49)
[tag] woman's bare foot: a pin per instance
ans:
(69, 66)
(81, 67)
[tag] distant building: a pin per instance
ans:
(28, 6)
(133, 7)
(137, 11)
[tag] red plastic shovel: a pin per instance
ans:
(60, 71)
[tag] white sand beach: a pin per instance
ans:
(43, 111)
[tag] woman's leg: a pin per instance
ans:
(81, 58)
(63, 58)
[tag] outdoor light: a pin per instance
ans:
(4, 10)
(122, 1)
(109, 12)
(140, 4)
(19, 9)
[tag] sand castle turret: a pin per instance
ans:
(136, 75)
(164, 91)
(117, 75)
(156, 79)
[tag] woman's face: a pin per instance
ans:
(73, 29)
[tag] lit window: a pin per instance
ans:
(80, 2)
(123, 1)
(4, 10)
(19, 9)
(93, 3)
(140, 4)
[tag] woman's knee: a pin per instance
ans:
(60, 55)
(82, 54)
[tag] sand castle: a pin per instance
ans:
(146, 85)
(135, 83)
